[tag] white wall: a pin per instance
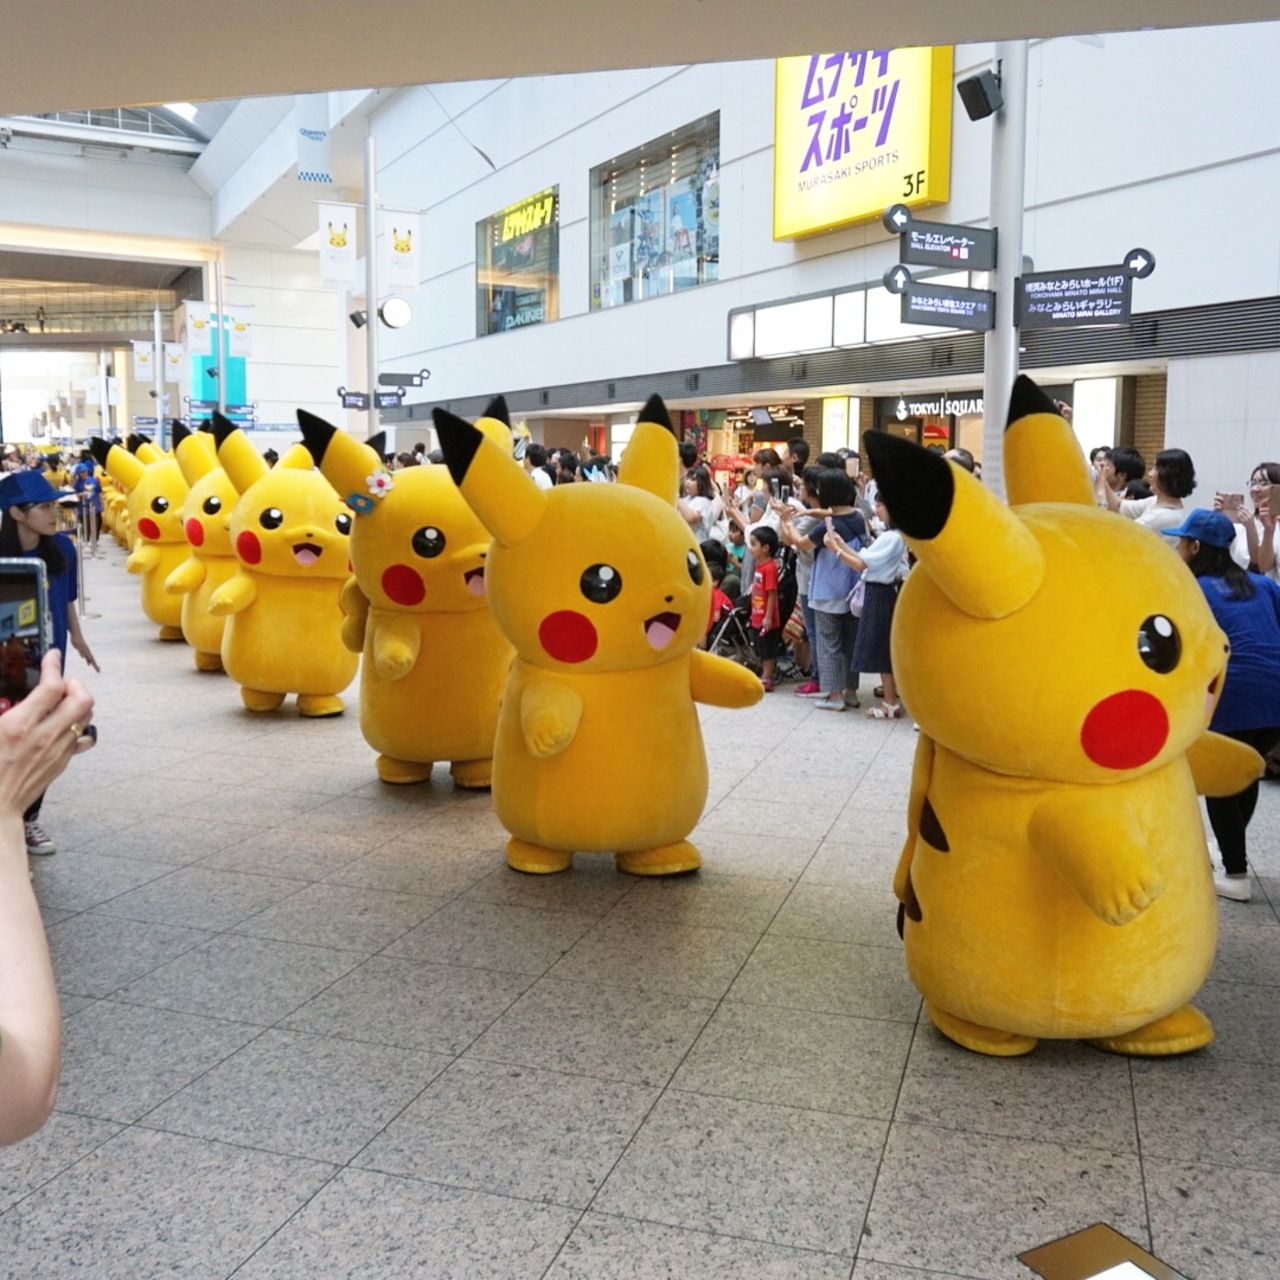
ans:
(1149, 140)
(1225, 412)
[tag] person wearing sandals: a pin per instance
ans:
(882, 565)
(829, 587)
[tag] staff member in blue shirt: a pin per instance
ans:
(1247, 607)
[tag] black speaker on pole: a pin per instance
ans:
(981, 95)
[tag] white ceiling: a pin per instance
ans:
(87, 53)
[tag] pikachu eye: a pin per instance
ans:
(159, 505)
(428, 542)
(600, 583)
(1159, 644)
(342, 523)
(271, 518)
(694, 566)
(211, 506)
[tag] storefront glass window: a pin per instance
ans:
(655, 217)
(518, 265)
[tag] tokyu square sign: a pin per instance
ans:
(858, 131)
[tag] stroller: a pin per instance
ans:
(730, 636)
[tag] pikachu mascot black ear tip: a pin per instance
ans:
(316, 434)
(656, 411)
(1027, 398)
(918, 487)
(180, 433)
(497, 409)
(222, 428)
(459, 441)
(100, 448)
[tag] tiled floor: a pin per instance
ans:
(315, 1028)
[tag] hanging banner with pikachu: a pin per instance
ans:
(240, 331)
(337, 245)
(400, 263)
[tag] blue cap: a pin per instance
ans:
(25, 489)
(1210, 527)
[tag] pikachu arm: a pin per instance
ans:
(355, 606)
(143, 559)
(549, 714)
(721, 683)
(235, 595)
(921, 775)
(1097, 845)
(186, 577)
(397, 641)
(1222, 766)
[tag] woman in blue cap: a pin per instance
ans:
(29, 528)
(1247, 607)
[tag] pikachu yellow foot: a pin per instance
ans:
(472, 774)
(208, 661)
(171, 633)
(260, 699)
(665, 860)
(1183, 1031)
(402, 772)
(970, 1035)
(320, 704)
(536, 860)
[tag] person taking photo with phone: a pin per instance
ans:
(29, 528)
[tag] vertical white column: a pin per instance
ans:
(1008, 194)
(157, 369)
(219, 347)
(371, 273)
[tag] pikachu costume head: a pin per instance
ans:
(603, 593)
(417, 608)
(1055, 881)
(156, 492)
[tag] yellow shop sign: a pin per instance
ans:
(529, 215)
(857, 132)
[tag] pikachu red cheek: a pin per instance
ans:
(248, 548)
(567, 636)
(148, 528)
(195, 533)
(1126, 730)
(403, 585)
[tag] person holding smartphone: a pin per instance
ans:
(29, 528)
(1255, 544)
(37, 738)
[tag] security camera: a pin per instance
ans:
(6, 137)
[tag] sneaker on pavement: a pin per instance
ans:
(1237, 888)
(830, 704)
(810, 689)
(38, 842)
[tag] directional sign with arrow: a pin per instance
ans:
(940, 244)
(897, 279)
(1139, 263)
(1082, 295)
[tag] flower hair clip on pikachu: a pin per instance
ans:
(1055, 882)
(604, 594)
(434, 660)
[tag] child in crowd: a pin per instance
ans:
(765, 621)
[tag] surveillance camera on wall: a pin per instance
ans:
(6, 137)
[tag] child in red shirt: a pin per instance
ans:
(766, 625)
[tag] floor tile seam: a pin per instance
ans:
(710, 1235)
(1149, 1244)
(807, 1008)
(115, 992)
(140, 1127)
(53, 1177)
(118, 997)
(114, 999)
(855, 942)
(1048, 1142)
(686, 1091)
(1206, 1162)
(889, 1128)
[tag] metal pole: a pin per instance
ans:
(1008, 194)
(157, 365)
(371, 274)
(104, 405)
(219, 354)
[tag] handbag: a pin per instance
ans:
(857, 596)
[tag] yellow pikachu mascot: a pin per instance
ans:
(206, 518)
(156, 492)
(284, 624)
(434, 660)
(603, 592)
(1055, 881)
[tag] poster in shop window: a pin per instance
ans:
(621, 255)
(682, 231)
(650, 240)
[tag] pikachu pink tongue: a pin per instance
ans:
(661, 629)
(305, 554)
(475, 582)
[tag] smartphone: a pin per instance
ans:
(775, 488)
(1274, 500)
(26, 630)
(786, 493)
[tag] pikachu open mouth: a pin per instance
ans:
(306, 554)
(660, 630)
(474, 578)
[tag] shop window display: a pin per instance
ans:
(518, 265)
(655, 217)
